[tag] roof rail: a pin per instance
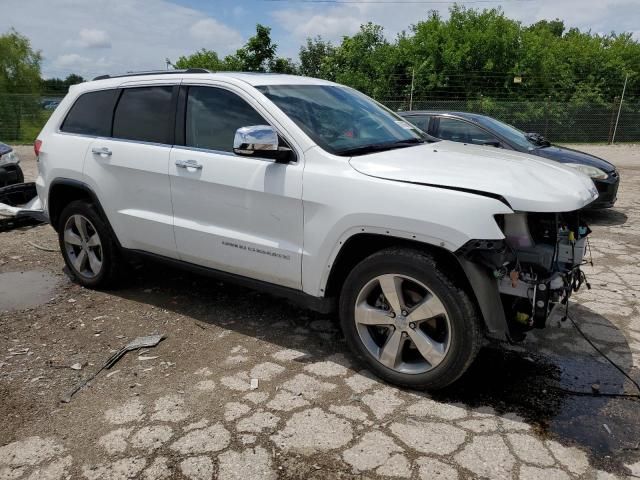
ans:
(154, 72)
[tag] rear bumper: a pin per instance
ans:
(607, 192)
(10, 175)
(20, 205)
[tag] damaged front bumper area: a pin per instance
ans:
(519, 280)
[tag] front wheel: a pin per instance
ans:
(407, 320)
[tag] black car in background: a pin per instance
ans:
(482, 130)
(10, 171)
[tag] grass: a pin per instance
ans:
(30, 128)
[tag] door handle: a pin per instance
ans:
(188, 164)
(103, 151)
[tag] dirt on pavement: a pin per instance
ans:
(247, 386)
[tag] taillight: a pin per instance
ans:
(36, 147)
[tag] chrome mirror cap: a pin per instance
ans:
(255, 138)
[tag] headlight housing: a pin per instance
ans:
(593, 172)
(10, 158)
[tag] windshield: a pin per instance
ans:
(512, 134)
(341, 120)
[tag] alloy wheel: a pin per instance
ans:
(402, 323)
(83, 246)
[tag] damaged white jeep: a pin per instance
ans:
(315, 192)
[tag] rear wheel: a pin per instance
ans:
(87, 245)
(407, 320)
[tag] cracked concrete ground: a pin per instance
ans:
(190, 408)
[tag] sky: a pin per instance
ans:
(93, 37)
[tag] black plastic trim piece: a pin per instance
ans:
(113, 111)
(485, 288)
(300, 298)
(171, 130)
(180, 118)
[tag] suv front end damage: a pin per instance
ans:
(535, 268)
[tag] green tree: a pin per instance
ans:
(259, 52)
(471, 52)
(363, 61)
(19, 75)
(73, 79)
(314, 57)
(58, 86)
(19, 64)
(201, 59)
(472, 55)
(555, 27)
(283, 65)
(257, 55)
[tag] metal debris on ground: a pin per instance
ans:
(40, 247)
(136, 344)
(24, 351)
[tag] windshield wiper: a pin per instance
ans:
(380, 147)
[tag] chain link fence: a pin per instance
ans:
(559, 122)
(23, 116)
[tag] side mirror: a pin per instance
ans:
(537, 139)
(260, 141)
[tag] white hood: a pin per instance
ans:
(528, 183)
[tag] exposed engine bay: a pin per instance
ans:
(537, 265)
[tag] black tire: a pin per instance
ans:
(112, 262)
(465, 337)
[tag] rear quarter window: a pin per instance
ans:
(91, 114)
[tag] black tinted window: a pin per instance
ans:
(91, 114)
(420, 121)
(461, 131)
(144, 114)
(214, 115)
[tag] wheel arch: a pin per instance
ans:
(66, 190)
(359, 246)
(478, 284)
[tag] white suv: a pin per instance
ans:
(317, 193)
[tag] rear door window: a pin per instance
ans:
(145, 114)
(420, 121)
(91, 114)
(214, 115)
(461, 131)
